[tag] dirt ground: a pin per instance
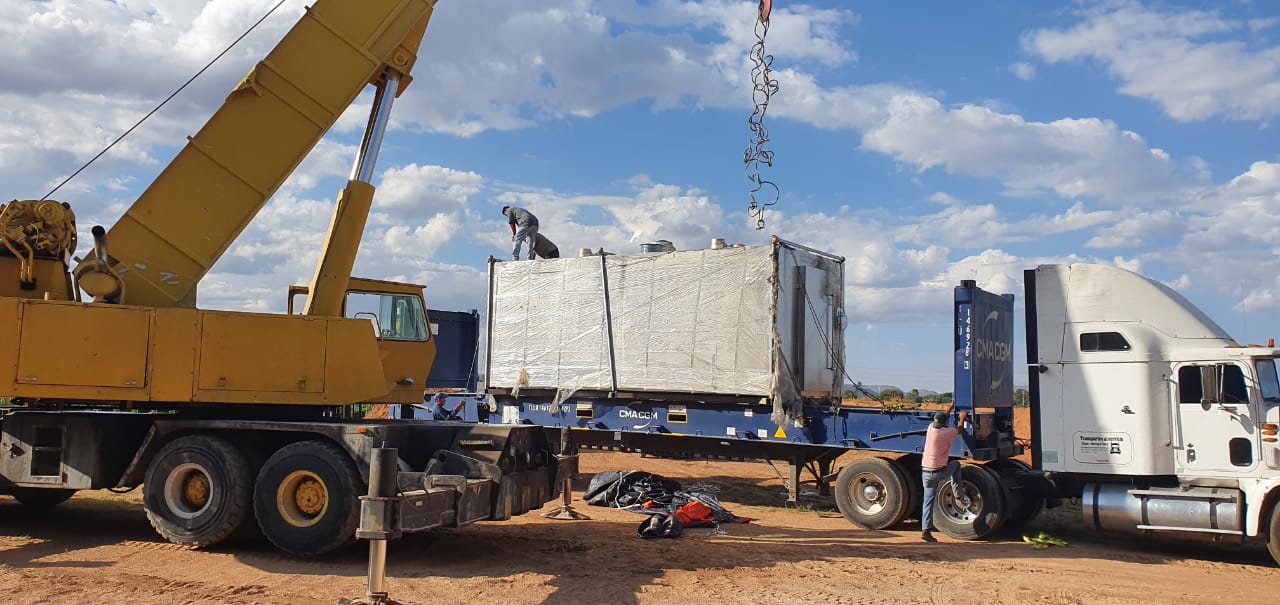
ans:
(99, 548)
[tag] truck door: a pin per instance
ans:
(400, 323)
(1216, 424)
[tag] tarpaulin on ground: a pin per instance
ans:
(650, 494)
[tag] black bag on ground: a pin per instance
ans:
(661, 526)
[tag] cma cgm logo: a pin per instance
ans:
(996, 350)
(636, 414)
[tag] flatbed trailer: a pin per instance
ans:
(802, 423)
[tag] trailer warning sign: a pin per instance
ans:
(1103, 448)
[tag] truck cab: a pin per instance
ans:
(398, 315)
(1147, 409)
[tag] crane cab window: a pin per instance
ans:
(1230, 387)
(394, 316)
(1103, 341)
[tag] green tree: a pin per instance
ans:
(892, 394)
(1021, 398)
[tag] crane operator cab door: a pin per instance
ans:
(398, 317)
(1216, 425)
(399, 321)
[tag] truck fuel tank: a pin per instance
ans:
(1209, 512)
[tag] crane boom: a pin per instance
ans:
(183, 223)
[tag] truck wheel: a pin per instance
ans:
(196, 491)
(872, 493)
(38, 498)
(909, 466)
(979, 511)
(307, 498)
(1273, 535)
(1024, 504)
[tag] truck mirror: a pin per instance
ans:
(1210, 389)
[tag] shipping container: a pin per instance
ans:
(758, 322)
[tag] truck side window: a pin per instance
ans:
(1103, 341)
(393, 316)
(1189, 389)
(1233, 390)
(1230, 379)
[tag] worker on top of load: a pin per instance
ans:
(524, 226)
(937, 467)
(545, 248)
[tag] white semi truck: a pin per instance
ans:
(1148, 411)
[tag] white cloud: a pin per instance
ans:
(1138, 229)
(1023, 70)
(1069, 157)
(1177, 59)
(427, 190)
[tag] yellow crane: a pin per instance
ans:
(231, 421)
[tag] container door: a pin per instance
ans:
(818, 339)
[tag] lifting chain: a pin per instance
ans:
(763, 87)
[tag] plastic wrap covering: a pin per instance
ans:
(547, 325)
(693, 322)
(761, 321)
(697, 321)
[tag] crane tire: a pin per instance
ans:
(307, 498)
(197, 490)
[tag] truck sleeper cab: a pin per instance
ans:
(1148, 411)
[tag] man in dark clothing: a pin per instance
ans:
(545, 248)
(524, 227)
(439, 412)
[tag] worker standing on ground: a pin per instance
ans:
(524, 226)
(937, 467)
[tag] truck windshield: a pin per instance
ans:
(1267, 380)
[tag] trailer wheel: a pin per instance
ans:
(1273, 535)
(978, 512)
(872, 493)
(196, 491)
(1024, 505)
(38, 498)
(909, 465)
(307, 498)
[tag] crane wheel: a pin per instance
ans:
(872, 493)
(307, 498)
(38, 498)
(196, 491)
(976, 509)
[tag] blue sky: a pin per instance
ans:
(927, 143)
